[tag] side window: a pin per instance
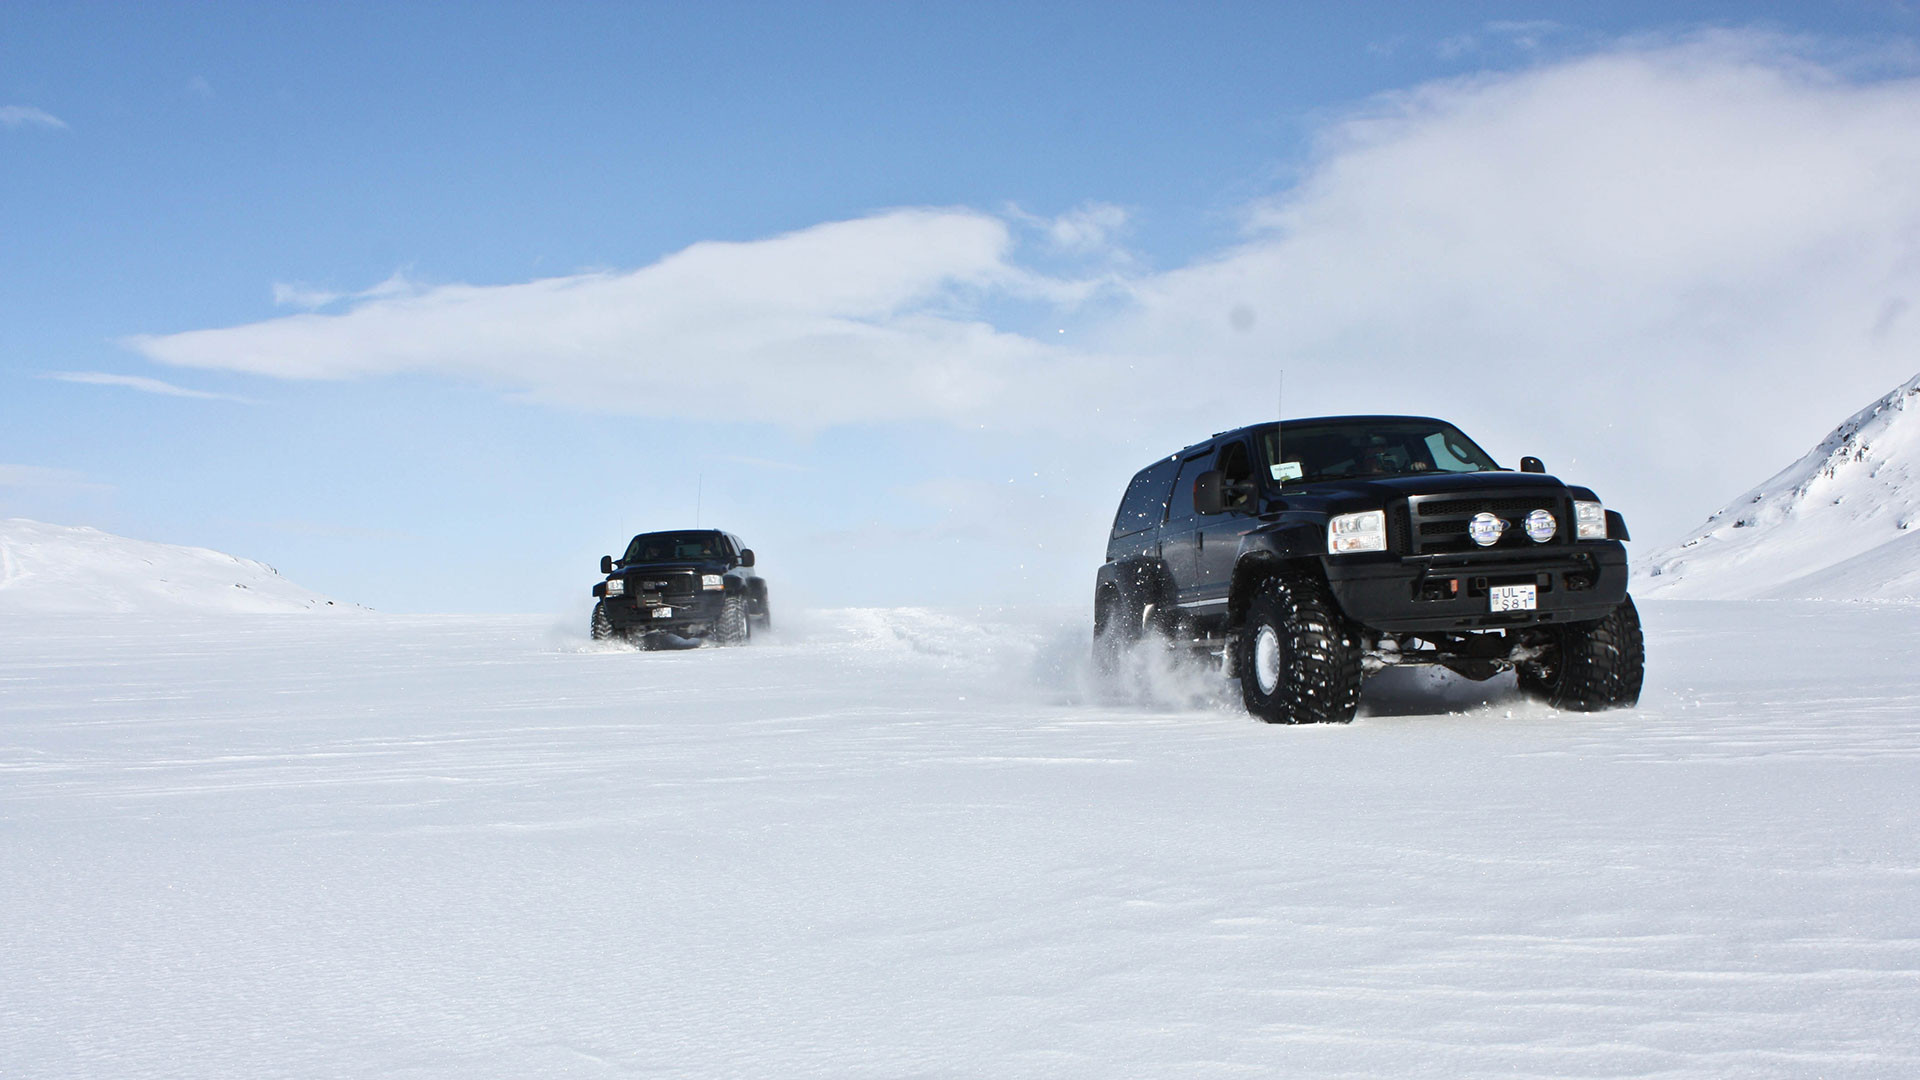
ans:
(1181, 508)
(1145, 502)
(1236, 467)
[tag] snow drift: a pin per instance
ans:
(60, 568)
(1836, 525)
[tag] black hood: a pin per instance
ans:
(698, 566)
(1376, 491)
(1435, 483)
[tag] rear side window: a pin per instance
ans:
(1181, 508)
(1145, 503)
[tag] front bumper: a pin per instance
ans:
(685, 616)
(1436, 593)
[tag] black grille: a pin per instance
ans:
(1440, 521)
(670, 589)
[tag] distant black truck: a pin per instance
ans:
(679, 589)
(1311, 553)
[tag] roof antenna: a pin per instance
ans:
(699, 489)
(1280, 410)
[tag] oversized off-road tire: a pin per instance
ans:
(1116, 627)
(1591, 666)
(731, 627)
(1297, 657)
(602, 626)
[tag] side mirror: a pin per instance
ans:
(746, 557)
(1207, 496)
(1532, 464)
(606, 564)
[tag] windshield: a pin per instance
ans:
(1304, 453)
(674, 546)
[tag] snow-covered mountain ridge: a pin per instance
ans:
(1839, 524)
(62, 568)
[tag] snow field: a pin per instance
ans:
(912, 843)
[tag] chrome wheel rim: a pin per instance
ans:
(1266, 660)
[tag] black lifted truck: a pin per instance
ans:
(1311, 553)
(679, 589)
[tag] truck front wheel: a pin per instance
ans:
(1591, 666)
(602, 626)
(731, 628)
(1297, 657)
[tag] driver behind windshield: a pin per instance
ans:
(1326, 451)
(668, 547)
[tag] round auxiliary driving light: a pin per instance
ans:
(1541, 526)
(1486, 529)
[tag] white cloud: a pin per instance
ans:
(1680, 265)
(1670, 267)
(15, 116)
(865, 320)
(140, 383)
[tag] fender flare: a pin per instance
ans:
(1298, 545)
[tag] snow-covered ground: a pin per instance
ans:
(907, 843)
(1842, 523)
(63, 568)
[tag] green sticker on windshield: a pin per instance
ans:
(1286, 470)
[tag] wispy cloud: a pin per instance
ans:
(303, 296)
(1525, 36)
(1093, 228)
(866, 320)
(39, 476)
(20, 116)
(293, 294)
(140, 383)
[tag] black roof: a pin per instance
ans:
(1292, 421)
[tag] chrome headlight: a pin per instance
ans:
(1589, 520)
(1365, 531)
(712, 581)
(616, 586)
(1541, 525)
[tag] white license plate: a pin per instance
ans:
(1513, 597)
(667, 612)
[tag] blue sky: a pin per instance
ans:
(431, 306)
